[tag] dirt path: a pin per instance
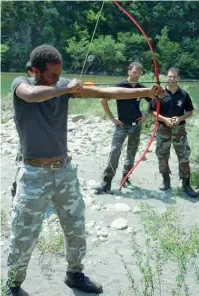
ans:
(102, 262)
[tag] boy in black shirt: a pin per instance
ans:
(19, 152)
(176, 106)
(128, 124)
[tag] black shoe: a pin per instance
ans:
(104, 187)
(79, 281)
(187, 188)
(127, 183)
(13, 290)
(166, 184)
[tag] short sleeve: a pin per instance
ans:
(188, 106)
(16, 83)
(153, 105)
(63, 82)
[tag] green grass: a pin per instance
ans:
(51, 240)
(195, 179)
(166, 242)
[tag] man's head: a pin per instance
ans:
(173, 76)
(46, 62)
(29, 69)
(135, 70)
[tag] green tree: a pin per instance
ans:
(4, 55)
(27, 24)
(169, 51)
(110, 52)
(77, 50)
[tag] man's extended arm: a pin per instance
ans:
(41, 93)
(117, 93)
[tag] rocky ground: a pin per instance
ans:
(111, 220)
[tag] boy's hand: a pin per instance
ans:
(156, 91)
(75, 85)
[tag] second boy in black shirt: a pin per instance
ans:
(128, 124)
(176, 106)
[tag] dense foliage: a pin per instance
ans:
(173, 27)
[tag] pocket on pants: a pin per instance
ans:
(30, 181)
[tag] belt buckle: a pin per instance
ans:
(56, 165)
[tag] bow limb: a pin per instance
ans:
(157, 81)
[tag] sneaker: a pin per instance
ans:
(79, 281)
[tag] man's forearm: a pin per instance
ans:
(112, 92)
(104, 103)
(160, 117)
(186, 115)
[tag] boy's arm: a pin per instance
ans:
(41, 93)
(105, 105)
(117, 93)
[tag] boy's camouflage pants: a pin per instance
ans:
(35, 188)
(133, 134)
(176, 135)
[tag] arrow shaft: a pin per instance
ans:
(112, 83)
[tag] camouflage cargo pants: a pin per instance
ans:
(133, 134)
(35, 189)
(176, 135)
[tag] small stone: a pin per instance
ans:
(91, 183)
(92, 191)
(102, 233)
(121, 207)
(119, 223)
(82, 182)
(88, 201)
(108, 207)
(98, 227)
(94, 240)
(2, 243)
(102, 239)
(76, 149)
(96, 207)
(90, 224)
(77, 117)
(130, 230)
(117, 197)
(136, 210)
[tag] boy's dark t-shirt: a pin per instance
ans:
(175, 104)
(129, 110)
(42, 127)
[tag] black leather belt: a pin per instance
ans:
(54, 165)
